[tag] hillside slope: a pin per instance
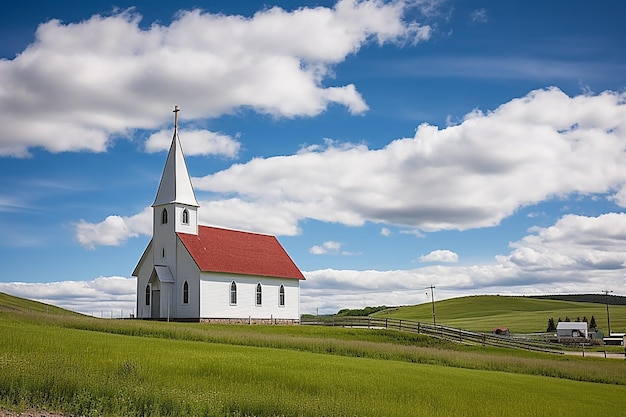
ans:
(519, 314)
(17, 304)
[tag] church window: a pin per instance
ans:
(147, 295)
(164, 216)
(233, 293)
(185, 216)
(163, 252)
(185, 293)
(281, 296)
(259, 294)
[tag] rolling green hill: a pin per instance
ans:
(9, 303)
(519, 314)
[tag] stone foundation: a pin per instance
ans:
(250, 320)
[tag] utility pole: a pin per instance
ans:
(432, 301)
(608, 318)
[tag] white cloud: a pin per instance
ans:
(195, 142)
(232, 213)
(471, 175)
(385, 231)
(326, 248)
(478, 16)
(102, 297)
(114, 230)
(81, 85)
(414, 232)
(576, 255)
(574, 243)
(440, 256)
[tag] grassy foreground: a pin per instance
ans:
(93, 367)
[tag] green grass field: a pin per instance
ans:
(519, 314)
(94, 367)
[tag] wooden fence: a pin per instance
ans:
(442, 332)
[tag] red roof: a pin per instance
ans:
(236, 252)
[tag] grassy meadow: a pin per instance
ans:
(519, 314)
(56, 361)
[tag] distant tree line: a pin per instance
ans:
(614, 300)
(360, 311)
(591, 324)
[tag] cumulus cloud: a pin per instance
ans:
(573, 243)
(465, 176)
(195, 142)
(325, 248)
(114, 230)
(441, 255)
(80, 85)
(577, 254)
(469, 175)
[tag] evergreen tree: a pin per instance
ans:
(578, 319)
(551, 325)
(567, 318)
(593, 324)
(585, 320)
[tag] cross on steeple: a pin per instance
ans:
(176, 110)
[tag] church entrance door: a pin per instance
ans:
(155, 312)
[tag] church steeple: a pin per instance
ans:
(175, 186)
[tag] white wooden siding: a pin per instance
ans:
(215, 299)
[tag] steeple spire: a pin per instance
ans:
(175, 185)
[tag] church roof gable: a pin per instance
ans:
(237, 252)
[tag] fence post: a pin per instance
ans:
(386, 323)
(418, 327)
(400, 325)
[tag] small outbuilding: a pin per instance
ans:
(572, 329)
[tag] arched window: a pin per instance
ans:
(185, 216)
(185, 293)
(163, 252)
(281, 296)
(164, 216)
(147, 295)
(259, 294)
(233, 293)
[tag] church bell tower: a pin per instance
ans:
(175, 208)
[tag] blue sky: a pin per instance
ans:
(476, 146)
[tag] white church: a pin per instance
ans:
(198, 273)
